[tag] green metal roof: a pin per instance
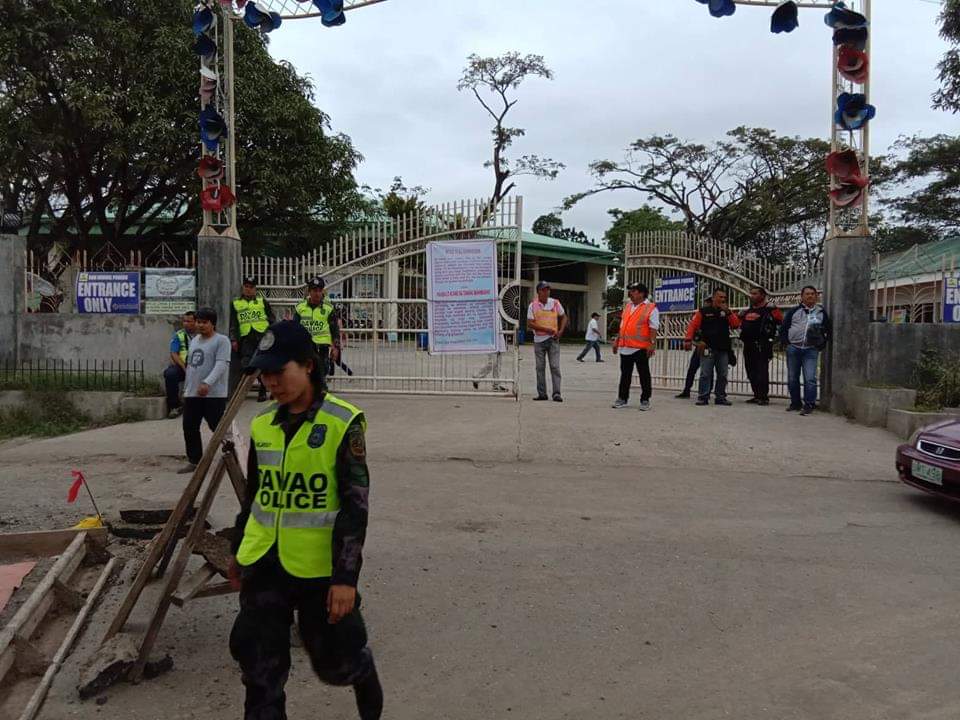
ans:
(559, 249)
(919, 260)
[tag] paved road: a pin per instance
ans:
(537, 560)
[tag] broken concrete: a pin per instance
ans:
(112, 663)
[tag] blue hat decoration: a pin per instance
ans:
(722, 8)
(261, 20)
(212, 128)
(203, 20)
(204, 46)
(840, 17)
(786, 18)
(853, 111)
(331, 12)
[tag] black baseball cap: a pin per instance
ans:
(316, 282)
(542, 284)
(250, 280)
(282, 342)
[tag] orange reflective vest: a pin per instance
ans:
(635, 327)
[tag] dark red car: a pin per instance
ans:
(931, 459)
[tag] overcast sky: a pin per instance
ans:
(624, 69)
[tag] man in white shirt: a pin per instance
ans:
(592, 338)
(636, 343)
(547, 320)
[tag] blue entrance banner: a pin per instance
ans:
(115, 293)
(951, 299)
(676, 294)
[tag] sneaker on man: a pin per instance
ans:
(601, 360)
(580, 360)
(175, 413)
(722, 401)
(752, 401)
(186, 469)
(764, 403)
(807, 409)
(557, 398)
(476, 385)
(539, 398)
(644, 405)
(682, 396)
(794, 408)
(703, 402)
(619, 404)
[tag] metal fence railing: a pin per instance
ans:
(107, 375)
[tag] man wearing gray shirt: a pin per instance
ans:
(205, 388)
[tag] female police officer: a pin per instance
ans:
(299, 536)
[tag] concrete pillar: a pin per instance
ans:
(218, 275)
(13, 300)
(846, 296)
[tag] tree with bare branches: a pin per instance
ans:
(492, 81)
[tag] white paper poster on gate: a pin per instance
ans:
(462, 316)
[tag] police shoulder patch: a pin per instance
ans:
(317, 436)
(358, 444)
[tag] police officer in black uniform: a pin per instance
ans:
(299, 537)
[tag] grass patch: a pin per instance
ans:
(46, 414)
(927, 408)
(49, 414)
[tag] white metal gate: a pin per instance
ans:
(376, 277)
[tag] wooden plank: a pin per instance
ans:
(223, 588)
(189, 495)
(235, 472)
(194, 584)
(25, 621)
(47, 543)
(176, 572)
(40, 694)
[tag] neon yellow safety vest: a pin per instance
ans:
(184, 344)
(297, 501)
(251, 315)
(317, 321)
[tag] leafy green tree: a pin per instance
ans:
(932, 166)
(948, 96)
(492, 80)
(552, 226)
(99, 134)
(755, 189)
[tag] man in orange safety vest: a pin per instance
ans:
(636, 343)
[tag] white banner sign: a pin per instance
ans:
(169, 291)
(462, 299)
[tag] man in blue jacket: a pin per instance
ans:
(804, 333)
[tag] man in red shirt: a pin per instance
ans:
(714, 322)
(759, 326)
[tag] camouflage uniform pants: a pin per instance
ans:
(260, 640)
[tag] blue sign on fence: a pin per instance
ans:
(676, 294)
(951, 299)
(108, 292)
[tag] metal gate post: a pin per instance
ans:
(376, 343)
(518, 275)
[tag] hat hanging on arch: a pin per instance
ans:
(262, 20)
(850, 192)
(208, 87)
(853, 64)
(840, 16)
(217, 198)
(205, 47)
(212, 127)
(331, 12)
(854, 37)
(203, 20)
(210, 168)
(786, 18)
(844, 164)
(853, 111)
(720, 8)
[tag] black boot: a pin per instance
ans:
(369, 696)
